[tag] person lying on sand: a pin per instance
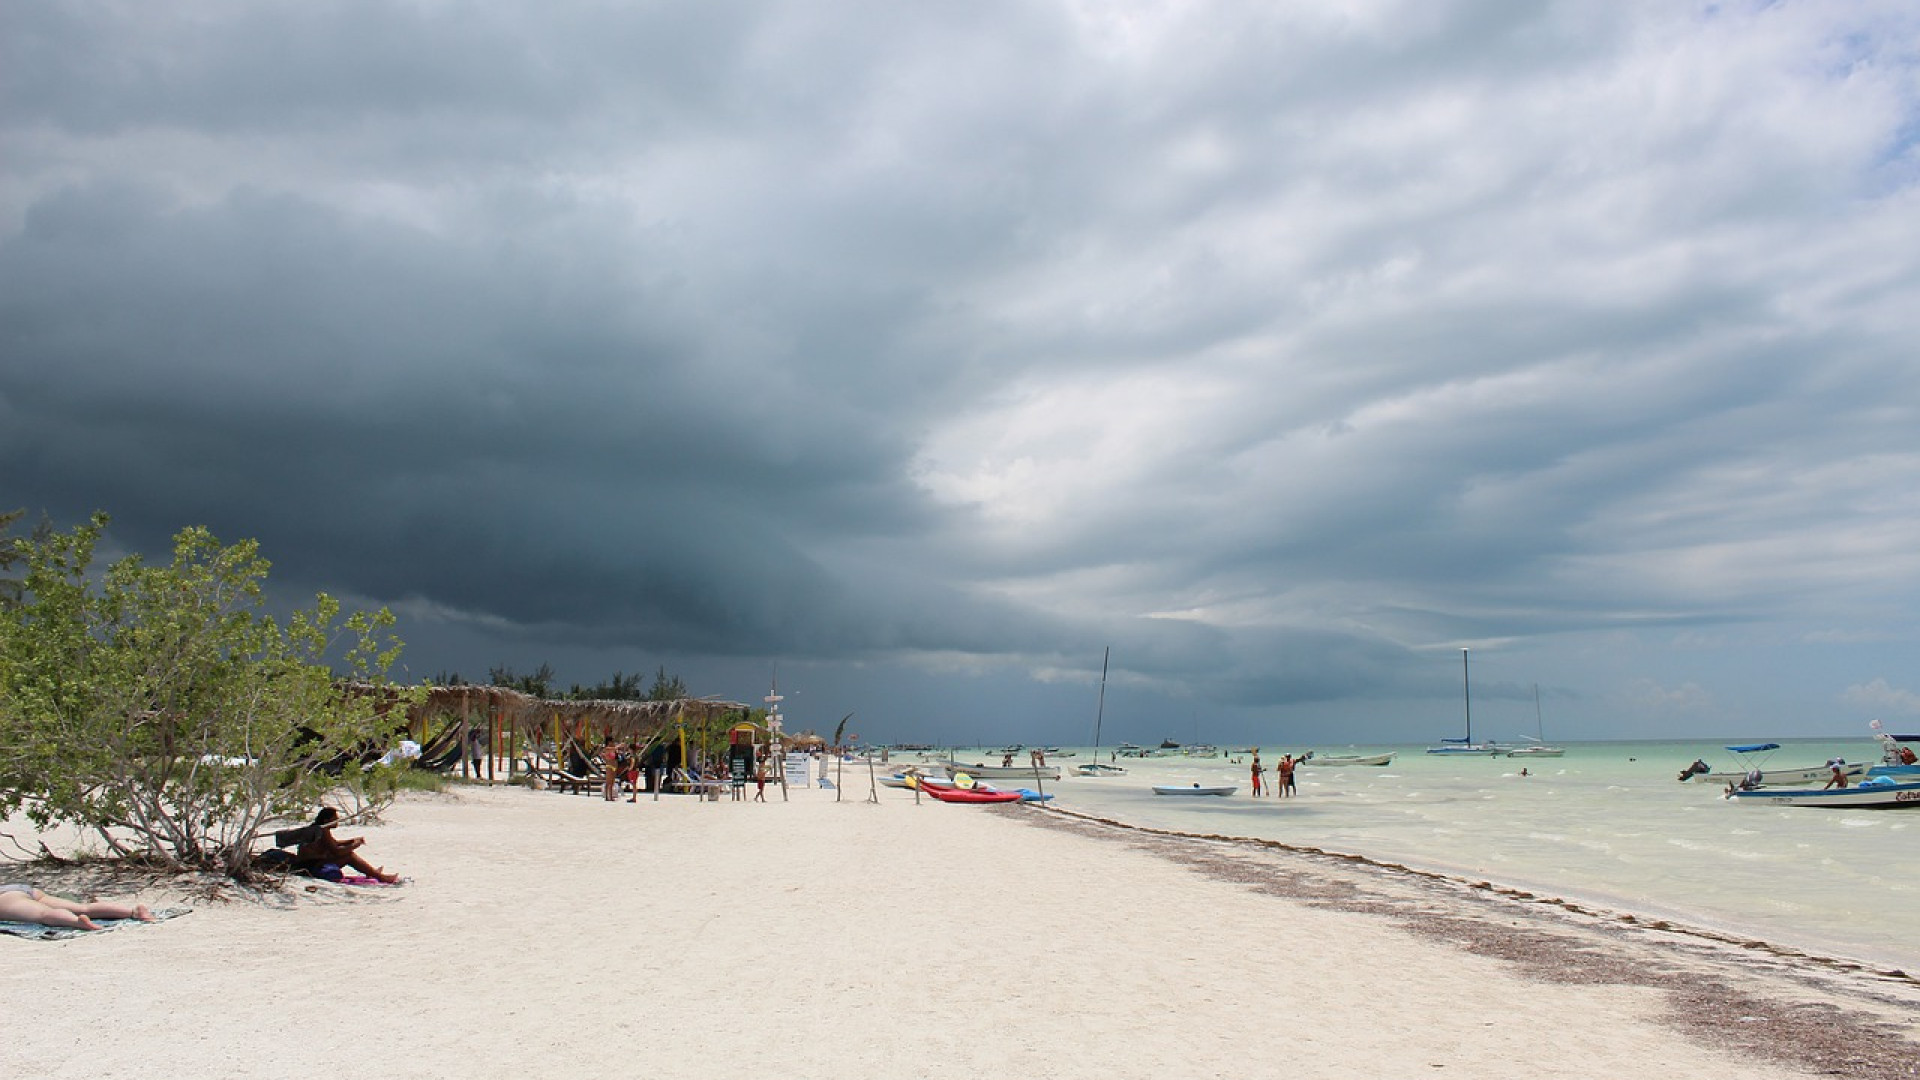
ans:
(322, 848)
(24, 903)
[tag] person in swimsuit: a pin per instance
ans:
(1837, 774)
(24, 903)
(322, 848)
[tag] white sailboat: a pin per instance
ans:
(1465, 745)
(1538, 747)
(1096, 767)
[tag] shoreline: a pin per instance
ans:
(1598, 909)
(679, 938)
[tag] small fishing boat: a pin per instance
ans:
(1879, 792)
(1899, 758)
(1195, 789)
(1752, 770)
(1007, 772)
(1317, 758)
(1095, 768)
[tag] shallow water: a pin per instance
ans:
(1609, 823)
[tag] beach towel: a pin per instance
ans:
(37, 932)
(362, 879)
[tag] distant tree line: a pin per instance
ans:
(540, 683)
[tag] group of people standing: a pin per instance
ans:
(1282, 786)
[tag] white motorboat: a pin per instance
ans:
(1195, 789)
(1005, 772)
(1898, 759)
(1349, 759)
(1536, 750)
(1880, 792)
(1752, 770)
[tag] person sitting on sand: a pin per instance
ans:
(24, 903)
(322, 848)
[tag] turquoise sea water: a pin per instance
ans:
(1609, 824)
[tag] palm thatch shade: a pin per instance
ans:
(621, 720)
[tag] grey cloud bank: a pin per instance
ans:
(926, 353)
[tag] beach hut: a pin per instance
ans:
(513, 727)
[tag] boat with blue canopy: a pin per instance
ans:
(1751, 770)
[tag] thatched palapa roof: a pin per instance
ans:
(621, 719)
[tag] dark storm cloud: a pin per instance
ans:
(1284, 350)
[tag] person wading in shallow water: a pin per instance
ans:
(1257, 770)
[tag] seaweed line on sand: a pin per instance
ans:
(1748, 997)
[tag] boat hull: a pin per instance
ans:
(1006, 772)
(1350, 759)
(1817, 774)
(1468, 750)
(1196, 789)
(1876, 796)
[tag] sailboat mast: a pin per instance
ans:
(1466, 691)
(1100, 711)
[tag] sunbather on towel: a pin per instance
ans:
(322, 848)
(24, 903)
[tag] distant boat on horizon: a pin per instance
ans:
(1539, 747)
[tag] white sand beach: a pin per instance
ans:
(549, 934)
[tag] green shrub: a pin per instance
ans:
(161, 708)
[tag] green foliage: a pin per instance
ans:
(622, 687)
(539, 684)
(667, 687)
(161, 708)
(10, 586)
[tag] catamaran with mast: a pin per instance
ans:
(1465, 745)
(1537, 746)
(1096, 767)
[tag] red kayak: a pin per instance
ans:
(970, 795)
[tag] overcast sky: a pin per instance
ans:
(924, 351)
